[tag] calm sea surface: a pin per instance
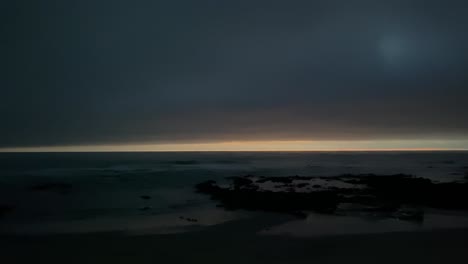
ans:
(86, 192)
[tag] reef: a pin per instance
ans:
(400, 196)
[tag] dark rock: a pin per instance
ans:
(185, 162)
(146, 208)
(61, 188)
(188, 219)
(227, 161)
(145, 197)
(280, 201)
(5, 209)
(208, 187)
(301, 185)
(276, 180)
(317, 186)
(410, 215)
(385, 194)
(239, 182)
(448, 162)
(285, 180)
(300, 214)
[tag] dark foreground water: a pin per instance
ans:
(153, 192)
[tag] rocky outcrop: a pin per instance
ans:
(382, 193)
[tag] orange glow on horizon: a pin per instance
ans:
(363, 145)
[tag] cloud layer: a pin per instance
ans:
(101, 72)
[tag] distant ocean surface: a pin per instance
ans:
(153, 192)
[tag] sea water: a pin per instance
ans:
(153, 192)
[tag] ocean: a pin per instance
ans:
(153, 192)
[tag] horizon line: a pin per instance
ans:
(233, 151)
(261, 146)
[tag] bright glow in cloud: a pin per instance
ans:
(395, 50)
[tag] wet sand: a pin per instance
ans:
(238, 242)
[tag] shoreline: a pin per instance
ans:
(238, 242)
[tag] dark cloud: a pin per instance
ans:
(86, 72)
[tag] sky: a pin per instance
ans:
(83, 73)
